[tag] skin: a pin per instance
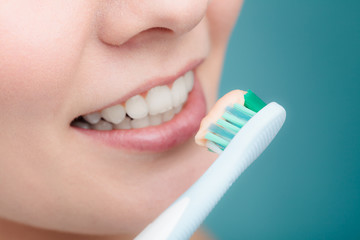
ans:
(61, 59)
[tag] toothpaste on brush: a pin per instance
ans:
(235, 96)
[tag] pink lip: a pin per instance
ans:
(159, 138)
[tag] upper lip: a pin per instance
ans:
(148, 84)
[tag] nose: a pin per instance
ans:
(121, 20)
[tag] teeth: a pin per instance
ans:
(80, 124)
(160, 105)
(136, 107)
(155, 119)
(168, 115)
(102, 125)
(179, 92)
(92, 118)
(114, 114)
(125, 124)
(140, 123)
(189, 80)
(177, 109)
(159, 100)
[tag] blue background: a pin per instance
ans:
(304, 55)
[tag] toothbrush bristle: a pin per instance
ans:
(253, 102)
(235, 117)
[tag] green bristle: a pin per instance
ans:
(244, 109)
(253, 102)
(216, 139)
(223, 132)
(226, 125)
(210, 150)
(234, 120)
(239, 114)
(213, 147)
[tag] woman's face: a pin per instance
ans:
(61, 60)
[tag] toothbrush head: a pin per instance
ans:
(226, 118)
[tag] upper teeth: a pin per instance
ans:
(158, 100)
(159, 105)
(114, 114)
(136, 107)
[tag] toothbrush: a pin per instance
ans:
(238, 145)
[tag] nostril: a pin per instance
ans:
(145, 35)
(160, 29)
(155, 31)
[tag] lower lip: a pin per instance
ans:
(159, 138)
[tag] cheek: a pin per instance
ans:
(39, 51)
(222, 15)
(38, 55)
(40, 47)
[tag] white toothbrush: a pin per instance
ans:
(184, 216)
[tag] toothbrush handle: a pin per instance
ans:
(185, 215)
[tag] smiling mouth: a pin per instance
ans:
(154, 107)
(156, 117)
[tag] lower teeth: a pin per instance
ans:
(127, 123)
